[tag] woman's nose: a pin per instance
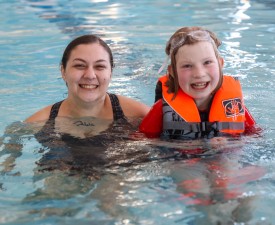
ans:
(90, 73)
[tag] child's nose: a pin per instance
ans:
(199, 72)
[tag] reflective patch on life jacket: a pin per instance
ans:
(233, 107)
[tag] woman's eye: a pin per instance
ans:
(100, 67)
(80, 66)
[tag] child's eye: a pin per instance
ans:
(186, 66)
(208, 62)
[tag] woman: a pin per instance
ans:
(82, 127)
(86, 68)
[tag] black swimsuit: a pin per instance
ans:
(117, 110)
(76, 153)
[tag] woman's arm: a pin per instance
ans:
(133, 108)
(41, 115)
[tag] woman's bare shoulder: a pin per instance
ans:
(132, 107)
(41, 115)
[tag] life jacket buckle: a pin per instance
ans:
(216, 126)
(196, 127)
(203, 126)
(210, 126)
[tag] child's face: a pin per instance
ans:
(198, 71)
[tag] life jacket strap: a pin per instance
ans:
(204, 126)
(219, 126)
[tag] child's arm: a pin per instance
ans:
(249, 120)
(151, 125)
(250, 124)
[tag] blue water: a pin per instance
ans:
(144, 181)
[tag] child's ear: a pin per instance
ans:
(221, 61)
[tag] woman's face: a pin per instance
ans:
(198, 71)
(88, 73)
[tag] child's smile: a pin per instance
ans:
(199, 86)
(198, 71)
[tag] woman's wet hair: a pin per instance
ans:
(85, 39)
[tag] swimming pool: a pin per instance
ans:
(146, 181)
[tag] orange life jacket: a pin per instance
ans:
(227, 112)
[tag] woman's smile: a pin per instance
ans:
(89, 86)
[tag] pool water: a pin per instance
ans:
(126, 178)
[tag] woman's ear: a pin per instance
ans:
(62, 70)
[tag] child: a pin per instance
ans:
(195, 99)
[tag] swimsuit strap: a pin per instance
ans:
(55, 110)
(49, 126)
(117, 110)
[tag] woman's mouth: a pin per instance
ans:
(89, 86)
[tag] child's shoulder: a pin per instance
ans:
(231, 77)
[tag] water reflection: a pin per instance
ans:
(129, 179)
(132, 172)
(240, 14)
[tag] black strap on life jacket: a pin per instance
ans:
(204, 126)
